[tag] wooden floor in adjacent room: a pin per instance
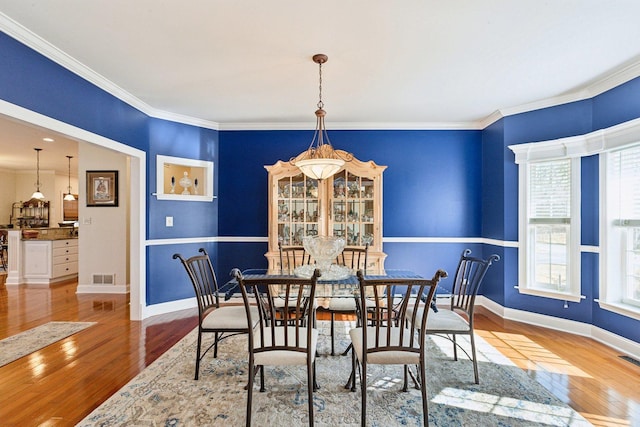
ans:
(62, 383)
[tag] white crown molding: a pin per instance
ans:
(616, 78)
(353, 126)
(588, 144)
(179, 118)
(23, 35)
(45, 48)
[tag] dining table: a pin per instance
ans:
(325, 288)
(345, 287)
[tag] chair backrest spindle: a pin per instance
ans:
(292, 257)
(394, 329)
(203, 278)
(466, 284)
(280, 328)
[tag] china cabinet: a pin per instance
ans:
(348, 204)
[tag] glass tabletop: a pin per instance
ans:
(336, 288)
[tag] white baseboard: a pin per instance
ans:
(621, 344)
(102, 289)
(169, 307)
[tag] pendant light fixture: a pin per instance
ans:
(38, 195)
(320, 160)
(69, 196)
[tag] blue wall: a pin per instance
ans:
(34, 82)
(439, 184)
(432, 188)
(577, 118)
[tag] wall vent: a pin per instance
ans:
(631, 359)
(104, 279)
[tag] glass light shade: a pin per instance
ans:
(319, 168)
(37, 195)
(69, 197)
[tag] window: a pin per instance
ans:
(549, 225)
(621, 226)
(618, 148)
(550, 252)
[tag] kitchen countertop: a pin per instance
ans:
(53, 233)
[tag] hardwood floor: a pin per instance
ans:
(62, 383)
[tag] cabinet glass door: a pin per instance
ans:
(298, 209)
(352, 208)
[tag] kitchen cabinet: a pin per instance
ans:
(348, 205)
(50, 261)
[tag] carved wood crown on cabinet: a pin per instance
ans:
(348, 204)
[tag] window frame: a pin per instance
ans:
(526, 256)
(596, 142)
(612, 238)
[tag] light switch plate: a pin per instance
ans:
(169, 221)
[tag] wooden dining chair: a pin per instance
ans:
(286, 341)
(222, 321)
(457, 319)
(383, 339)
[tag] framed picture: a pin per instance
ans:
(184, 179)
(102, 188)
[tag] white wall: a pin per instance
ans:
(103, 231)
(7, 194)
(17, 186)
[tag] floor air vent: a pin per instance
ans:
(104, 279)
(631, 359)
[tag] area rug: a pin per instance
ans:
(166, 394)
(17, 346)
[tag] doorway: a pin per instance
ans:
(137, 205)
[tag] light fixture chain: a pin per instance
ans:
(320, 103)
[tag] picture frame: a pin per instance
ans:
(183, 179)
(102, 188)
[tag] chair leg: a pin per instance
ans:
(262, 389)
(474, 358)
(333, 315)
(363, 393)
(351, 383)
(215, 346)
(250, 392)
(455, 347)
(316, 386)
(346, 351)
(405, 386)
(311, 384)
(423, 390)
(198, 354)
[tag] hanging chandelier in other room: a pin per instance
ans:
(69, 196)
(320, 160)
(37, 194)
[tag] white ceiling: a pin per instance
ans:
(392, 64)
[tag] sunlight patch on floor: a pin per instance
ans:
(529, 355)
(508, 407)
(603, 421)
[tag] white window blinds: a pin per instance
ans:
(550, 192)
(625, 183)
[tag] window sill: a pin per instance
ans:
(620, 308)
(549, 294)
